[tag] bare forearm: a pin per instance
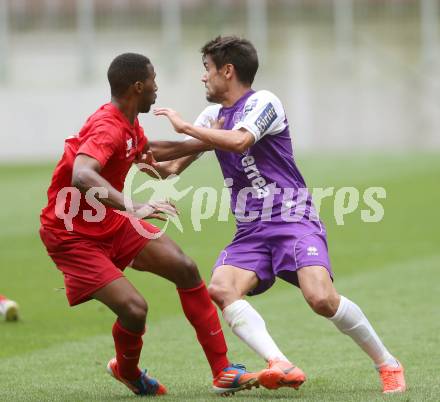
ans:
(177, 166)
(86, 179)
(167, 168)
(226, 140)
(170, 150)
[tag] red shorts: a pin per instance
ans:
(90, 264)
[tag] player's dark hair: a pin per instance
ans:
(125, 70)
(236, 51)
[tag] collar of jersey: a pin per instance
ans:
(116, 112)
(245, 96)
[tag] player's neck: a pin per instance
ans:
(234, 94)
(127, 108)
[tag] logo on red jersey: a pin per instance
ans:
(129, 147)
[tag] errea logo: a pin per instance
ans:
(312, 251)
(250, 106)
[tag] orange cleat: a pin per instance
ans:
(144, 385)
(281, 374)
(233, 379)
(393, 379)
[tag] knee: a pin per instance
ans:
(188, 275)
(324, 304)
(221, 294)
(135, 311)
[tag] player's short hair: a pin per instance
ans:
(236, 51)
(125, 70)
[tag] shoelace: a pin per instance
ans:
(149, 385)
(274, 362)
(390, 380)
(239, 366)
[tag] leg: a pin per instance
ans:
(229, 284)
(319, 292)
(131, 309)
(164, 258)
(90, 273)
(228, 287)
(126, 302)
(321, 295)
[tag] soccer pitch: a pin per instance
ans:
(390, 268)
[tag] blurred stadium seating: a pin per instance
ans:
(354, 74)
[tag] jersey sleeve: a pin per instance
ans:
(263, 114)
(209, 113)
(101, 143)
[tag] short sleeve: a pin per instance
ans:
(209, 113)
(263, 114)
(203, 120)
(101, 143)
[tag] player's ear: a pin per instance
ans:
(138, 86)
(228, 70)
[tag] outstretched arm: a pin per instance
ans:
(86, 175)
(170, 150)
(228, 140)
(170, 157)
(165, 168)
(177, 166)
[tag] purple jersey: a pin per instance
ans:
(265, 182)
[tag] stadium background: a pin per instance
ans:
(360, 81)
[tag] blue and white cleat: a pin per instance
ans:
(233, 379)
(144, 385)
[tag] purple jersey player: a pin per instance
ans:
(278, 232)
(266, 193)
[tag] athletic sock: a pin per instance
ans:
(250, 327)
(350, 320)
(128, 347)
(202, 314)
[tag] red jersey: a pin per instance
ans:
(108, 137)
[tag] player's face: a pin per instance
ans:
(214, 80)
(148, 94)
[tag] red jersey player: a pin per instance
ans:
(91, 242)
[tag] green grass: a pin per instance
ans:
(390, 268)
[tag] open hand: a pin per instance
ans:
(178, 123)
(155, 210)
(157, 170)
(217, 124)
(153, 168)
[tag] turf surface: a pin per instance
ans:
(390, 268)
